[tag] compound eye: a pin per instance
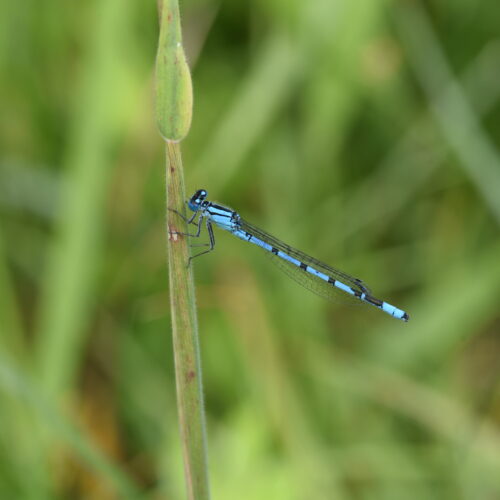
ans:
(201, 194)
(197, 199)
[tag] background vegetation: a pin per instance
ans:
(362, 132)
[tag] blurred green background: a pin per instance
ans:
(364, 133)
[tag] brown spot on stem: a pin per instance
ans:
(173, 235)
(191, 374)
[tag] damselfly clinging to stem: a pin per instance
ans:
(309, 272)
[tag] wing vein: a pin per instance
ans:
(354, 283)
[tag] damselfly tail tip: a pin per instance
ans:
(405, 317)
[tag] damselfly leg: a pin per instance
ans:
(211, 244)
(198, 224)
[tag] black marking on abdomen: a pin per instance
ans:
(303, 266)
(249, 236)
(374, 301)
(274, 250)
(331, 281)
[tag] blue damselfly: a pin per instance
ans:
(309, 272)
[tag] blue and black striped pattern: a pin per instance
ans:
(309, 272)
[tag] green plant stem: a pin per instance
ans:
(185, 335)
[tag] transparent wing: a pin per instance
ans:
(304, 278)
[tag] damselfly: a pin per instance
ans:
(309, 272)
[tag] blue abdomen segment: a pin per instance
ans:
(394, 311)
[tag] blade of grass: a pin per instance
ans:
(14, 416)
(412, 161)
(68, 283)
(67, 286)
(459, 123)
(269, 83)
(438, 412)
(338, 33)
(21, 387)
(462, 300)
(12, 337)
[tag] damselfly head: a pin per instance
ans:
(197, 199)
